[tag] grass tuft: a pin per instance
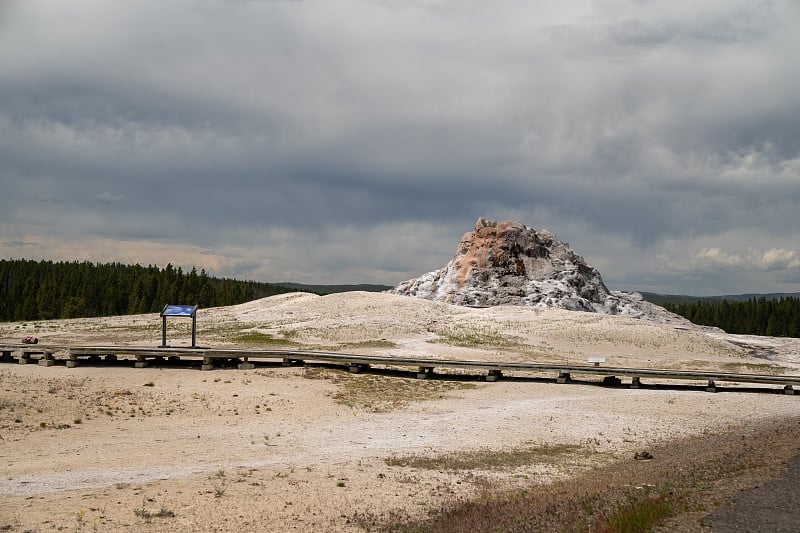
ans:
(147, 515)
(489, 459)
(638, 513)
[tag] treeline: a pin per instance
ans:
(772, 317)
(40, 290)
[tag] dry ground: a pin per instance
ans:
(113, 448)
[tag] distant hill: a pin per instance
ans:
(772, 314)
(332, 289)
(661, 299)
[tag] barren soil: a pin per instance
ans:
(113, 448)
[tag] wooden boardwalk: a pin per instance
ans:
(45, 355)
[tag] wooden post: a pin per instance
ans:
(357, 368)
(494, 375)
(424, 372)
(47, 359)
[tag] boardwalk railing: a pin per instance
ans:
(356, 363)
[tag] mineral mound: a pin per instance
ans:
(508, 263)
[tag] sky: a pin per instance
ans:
(356, 141)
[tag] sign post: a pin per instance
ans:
(178, 310)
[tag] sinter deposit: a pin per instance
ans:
(508, 263)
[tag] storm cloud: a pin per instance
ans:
(355, 140)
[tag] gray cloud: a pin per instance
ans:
(18, 244)
(275, 139)
(110, 198)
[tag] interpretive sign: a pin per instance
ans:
(179, 311)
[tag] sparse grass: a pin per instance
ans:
(644, 508)
(355, 345)
(324, 347)
(584, 506)
(314, 372)
(382, 394)
(474, 337)
(164, 513)
(220, 483)
(490, 459)
(243, 473)
(624, 496)
(140, 328)
(382, 343)
(147, 515)
(261, 339)
(67, 402)
(7, 404)
(79, 519)
(754, 368)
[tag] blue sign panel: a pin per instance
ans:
(179, 310)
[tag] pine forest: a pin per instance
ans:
(42, 290)
(778, 317)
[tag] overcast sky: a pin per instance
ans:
(355, 141)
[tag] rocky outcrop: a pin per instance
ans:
(508, 263)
